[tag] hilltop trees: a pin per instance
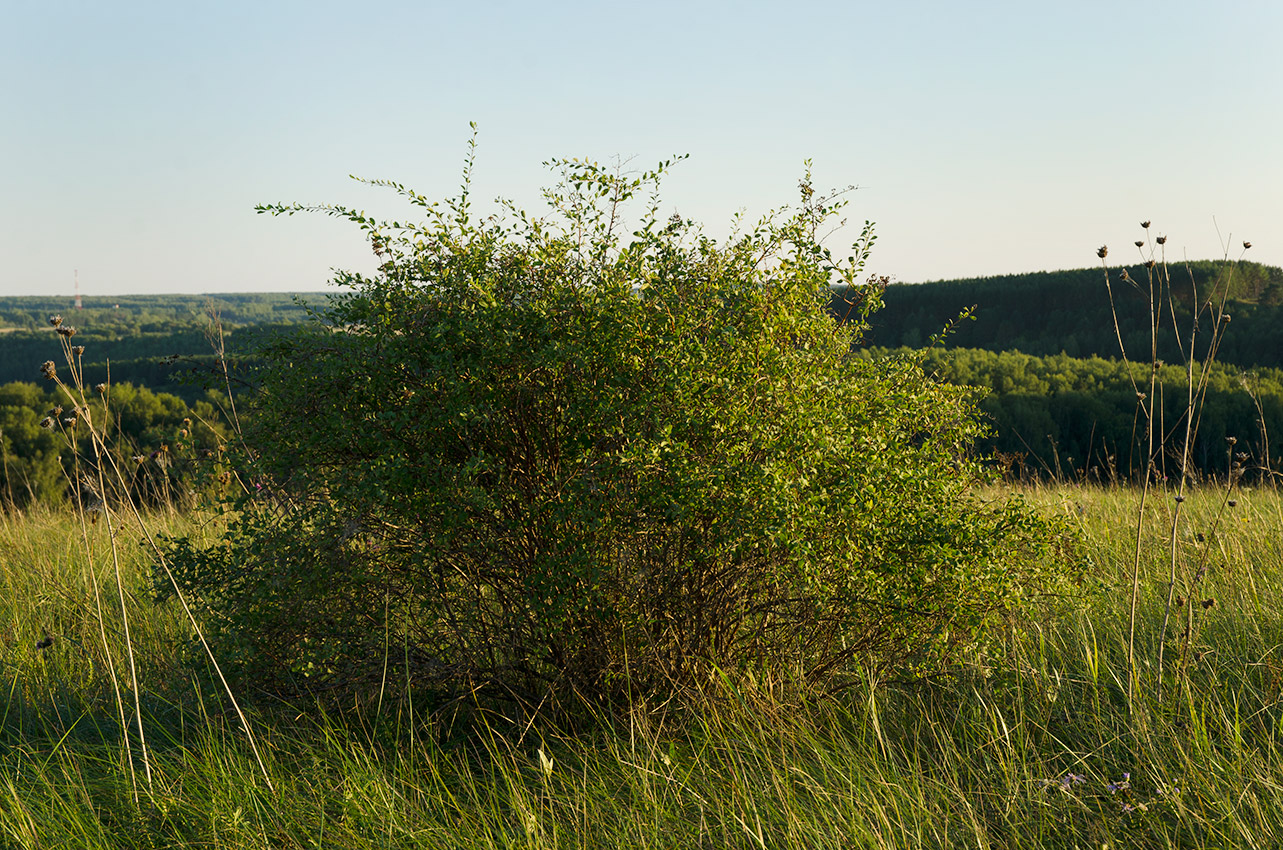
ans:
(548, 456)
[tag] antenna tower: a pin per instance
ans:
(79, 306)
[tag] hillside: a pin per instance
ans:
(139, 335)
(1047, 313)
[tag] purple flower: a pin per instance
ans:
(1115, 787)
(1071, 779)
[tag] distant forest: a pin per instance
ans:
(1069, 312)
(156, 341)
(1041, 350)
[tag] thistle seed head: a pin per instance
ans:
(55, 320)
(1145, 224)
(66, 331)
(47, 423)
(48, 369)
(1140, 243)
(1102, 251)
(101, 389)
(78, 350)
(1161, 240)
(1246, 244)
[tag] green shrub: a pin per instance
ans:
(539, 457)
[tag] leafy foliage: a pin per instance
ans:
(538, 456)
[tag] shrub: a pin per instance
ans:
(540, 457)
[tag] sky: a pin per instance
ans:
(984, 137)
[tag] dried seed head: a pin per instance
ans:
(55, 411)
(1180, 601)
(48, 369)
(1161, 240)
(139, 458)
(1208, 603)
(101, 389)
(47, 423)
(55, 320)
(1140, 243)
(182, 433)
(1102, 251)
(44, 643)
(1228, 317)
(1145, 224)
(69, 421)
(1201, 537)
(79, 349)
(1231, 440)
(66, 331)
(1246, 244)
(1179, 498)
(1149, 264)
(1232, 503)
(1126, 276)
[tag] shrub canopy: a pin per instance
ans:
(562, 454)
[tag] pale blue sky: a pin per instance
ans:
(986, 137)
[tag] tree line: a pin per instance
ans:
(1080, 418)
(1070, 312)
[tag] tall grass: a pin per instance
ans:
(1030, 744)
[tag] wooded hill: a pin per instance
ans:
(1046, 313)
(1043, 351)
(141, 335)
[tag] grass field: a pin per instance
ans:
(1033, 744)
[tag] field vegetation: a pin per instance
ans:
(1030, 743)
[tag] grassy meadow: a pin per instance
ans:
(1033, 744)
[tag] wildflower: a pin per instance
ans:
(1115, 787)
(48, 369)
(1145, 224)
(1102, 251)
(1071, 779)
(55, 320)
(66, 331)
